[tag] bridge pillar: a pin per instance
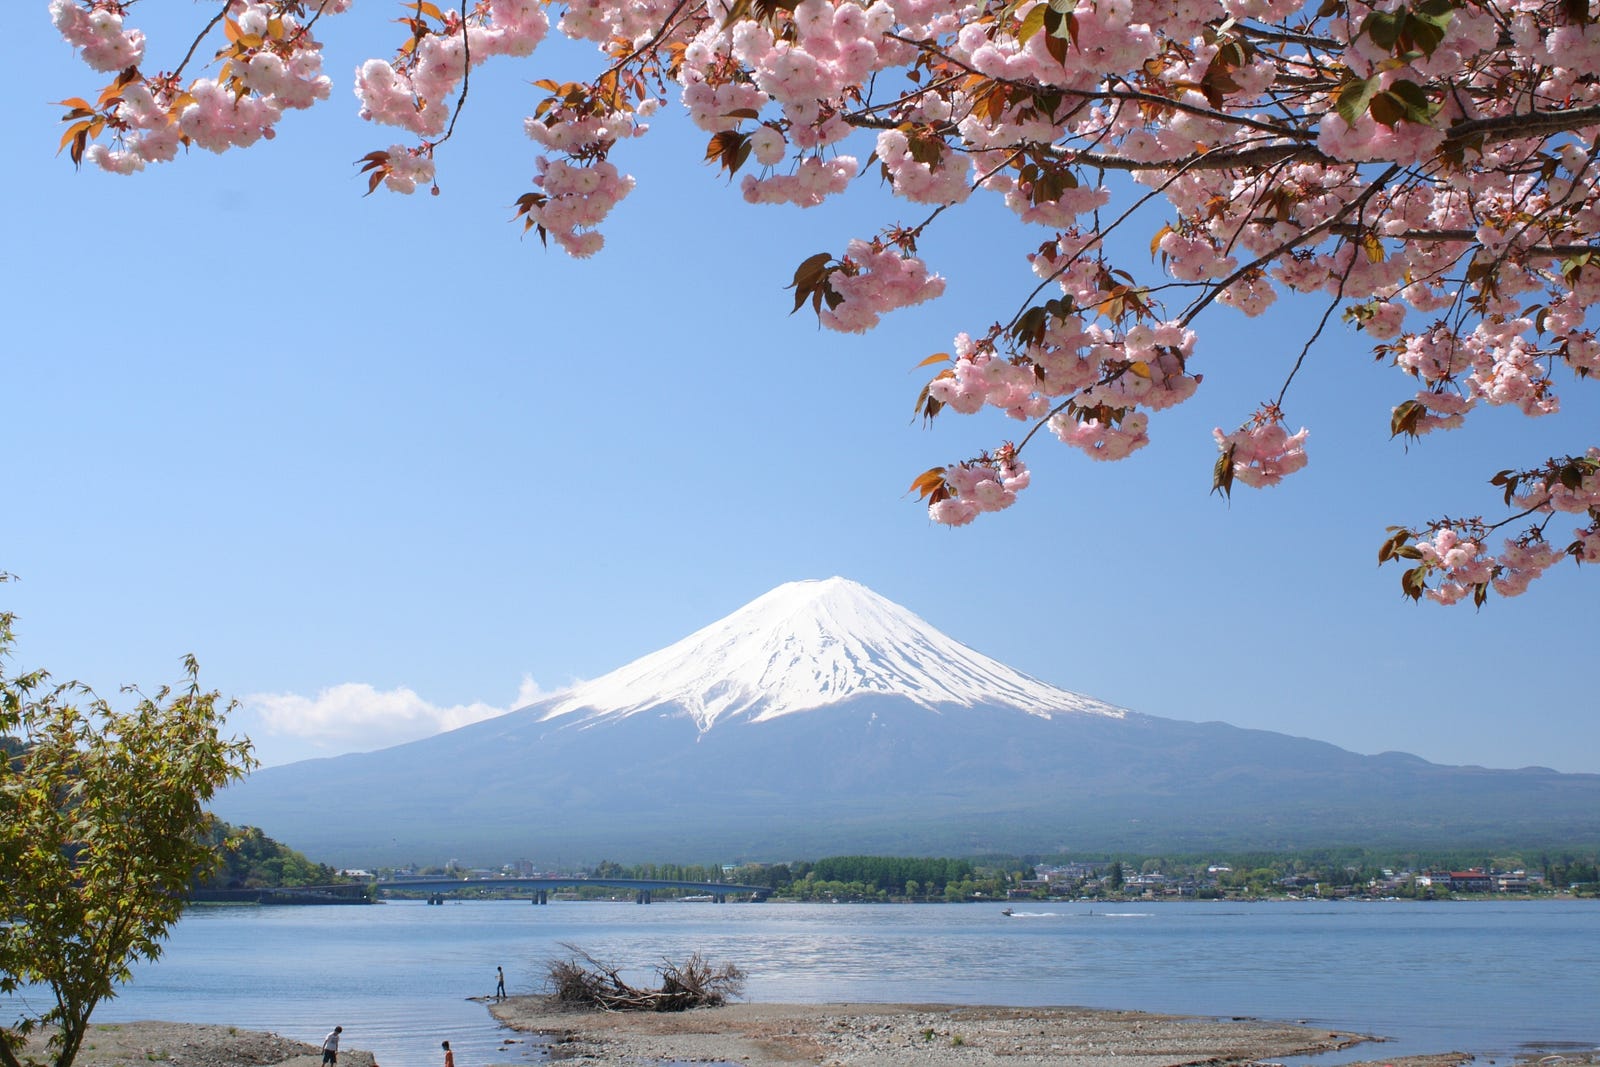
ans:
(720, 898)
(643, 897)
(541, 896)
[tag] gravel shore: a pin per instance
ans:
(142, 1044)
(902, 1035)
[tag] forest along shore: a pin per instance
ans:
(902, 1035)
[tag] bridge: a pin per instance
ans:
(539, 889)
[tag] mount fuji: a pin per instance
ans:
(822, 719)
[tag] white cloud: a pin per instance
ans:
(355, 717)
(528, 692)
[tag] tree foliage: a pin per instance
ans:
(246, 858)
(891, 873)
(103, 827)
(1425, 171)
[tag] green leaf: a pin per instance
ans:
(1404, 418)
(1355, 97)
(1032, 24)
(1222, 473)
(1429, 22)
(1413, 98)
(1383, 27)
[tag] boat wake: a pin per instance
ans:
(1077, 914)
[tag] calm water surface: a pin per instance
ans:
(1484, 977)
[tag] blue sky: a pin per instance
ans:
(383, 465)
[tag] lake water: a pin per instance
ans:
(1484, 977)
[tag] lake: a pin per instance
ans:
(1488, 977)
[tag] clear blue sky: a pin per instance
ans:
(384, 444)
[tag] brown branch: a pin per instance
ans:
(218, 17)
(466, 79)
(306, 28)
(1257, 33)
(1350, 229)
(1527, 123)
(1311, 341)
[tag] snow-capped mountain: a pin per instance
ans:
(822, 719)
(806, 645)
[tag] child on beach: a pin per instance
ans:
(330, 1046)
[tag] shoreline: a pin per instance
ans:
(825, 1035)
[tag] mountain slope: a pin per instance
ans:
(822, 719)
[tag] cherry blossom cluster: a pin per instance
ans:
(1094, 385)
(1459, 565)
(813, 181)
(576, 199)
(407, 169)
(416, 92)
(1425, 172)
(1453, 560)
(1262, 452)
(271, 63)
(1455, 565)
(97, 33)
(877, 278)
(966, 490)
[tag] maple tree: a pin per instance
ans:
(103, 828)
(1423, 169)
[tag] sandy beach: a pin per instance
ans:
(783, 1035)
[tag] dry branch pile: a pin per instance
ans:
(581, 980)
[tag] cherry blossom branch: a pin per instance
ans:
(1311, 341)
(1358, 205)
(650, 45)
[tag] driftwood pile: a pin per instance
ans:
(580, 980)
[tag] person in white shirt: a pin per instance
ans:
(330, 1045)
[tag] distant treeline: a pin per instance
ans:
(1337, 866)
(832, 876)
(1211, 874)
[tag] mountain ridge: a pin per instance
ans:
(715, 746)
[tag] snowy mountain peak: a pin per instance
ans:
(807, 645)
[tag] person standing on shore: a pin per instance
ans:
(330, 1046)
(499, 984)
(449, 1057)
